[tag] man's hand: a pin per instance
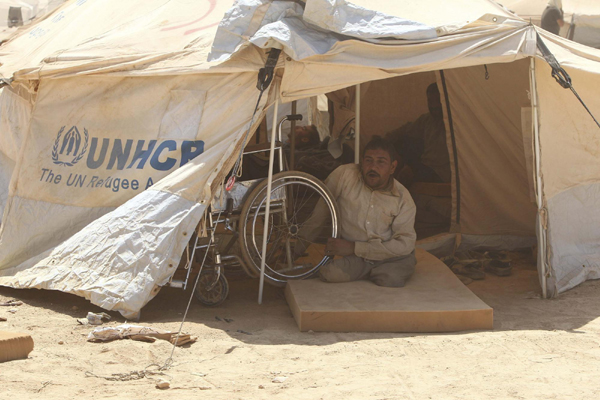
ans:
(339, 247)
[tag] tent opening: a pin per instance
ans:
(484, 197)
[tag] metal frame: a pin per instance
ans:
(261, 283)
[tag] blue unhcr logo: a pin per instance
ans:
(70, 150)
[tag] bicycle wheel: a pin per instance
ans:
(303, 216)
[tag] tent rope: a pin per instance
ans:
(560, 75)
(169, 361)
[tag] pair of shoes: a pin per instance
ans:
(497, 267)
(497, 263)
(468, 268)
(449, 261)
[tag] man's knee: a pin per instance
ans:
(390, 280)
(394, 274)
(333, 273)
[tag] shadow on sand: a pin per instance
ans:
(516, 302)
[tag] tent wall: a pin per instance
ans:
(570, 161)
(492, 195)
(388, 104)
(118, 260)
(14, 125)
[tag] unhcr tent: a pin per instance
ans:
(112, 145)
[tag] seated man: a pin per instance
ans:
(377, 221)
(422, 145)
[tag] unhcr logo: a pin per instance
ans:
(71, 149)
(120, 154)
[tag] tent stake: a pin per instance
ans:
(268, 205)
(357, 127)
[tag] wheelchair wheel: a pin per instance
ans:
(209, 292)
(303, 216)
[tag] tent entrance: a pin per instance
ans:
(489, 197)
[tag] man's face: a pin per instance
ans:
(377, 168)
(303, 137)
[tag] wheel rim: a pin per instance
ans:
(289, 220)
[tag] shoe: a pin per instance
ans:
(497, 255)
(470, 257)
(470, 270)
(498, 267)
(464, 279)
(449, 261)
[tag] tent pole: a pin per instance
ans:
(539, 195)
(268, 205)
(357, 127)
(293, 139)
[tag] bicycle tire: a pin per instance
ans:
(251, 232)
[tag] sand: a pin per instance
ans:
(539, 349)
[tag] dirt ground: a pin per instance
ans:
(539, 349)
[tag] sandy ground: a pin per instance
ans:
(539, 349)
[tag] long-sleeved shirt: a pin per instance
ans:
(381, 223)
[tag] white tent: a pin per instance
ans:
(582, 17)
(140, 103)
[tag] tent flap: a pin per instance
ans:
(119, 259)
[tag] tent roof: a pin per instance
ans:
(109, 34)
(175, 36)
(436, 13)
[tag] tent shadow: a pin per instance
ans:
(515, 300)
(64, 303)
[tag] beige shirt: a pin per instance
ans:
(380, 222)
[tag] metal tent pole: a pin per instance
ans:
(538, 179)
(357, 127)
(268, 205)
(293, 139)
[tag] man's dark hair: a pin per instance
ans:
(313, 134)
(433, 88)
(379, 143)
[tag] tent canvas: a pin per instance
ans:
(150, 105)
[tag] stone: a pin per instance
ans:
(162, 384)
